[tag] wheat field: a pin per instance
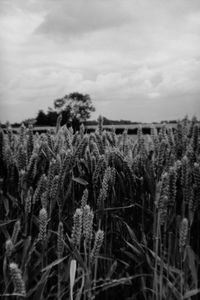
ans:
(100, 215)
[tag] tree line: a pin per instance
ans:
(74, 109)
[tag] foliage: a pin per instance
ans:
(100, 215)
(75, 109)
(50, 118)
(77, 105)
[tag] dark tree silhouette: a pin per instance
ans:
(77, 108)
(41, 119)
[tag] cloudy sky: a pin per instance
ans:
(138, 59)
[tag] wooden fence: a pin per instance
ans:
(131, 128)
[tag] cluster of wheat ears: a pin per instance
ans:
(100, 215)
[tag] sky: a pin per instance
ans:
(139, 60)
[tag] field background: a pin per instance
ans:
(100, 215)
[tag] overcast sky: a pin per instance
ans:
(138, 59)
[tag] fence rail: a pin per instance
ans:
(119, 127)
(133, 126)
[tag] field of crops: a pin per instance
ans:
(100, 215)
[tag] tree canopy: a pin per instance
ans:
(78, 106)
(75, 108)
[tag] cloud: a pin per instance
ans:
(76, 18)
(137, 59)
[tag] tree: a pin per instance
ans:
(76, 106)
(46, 119)
(41, 119)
